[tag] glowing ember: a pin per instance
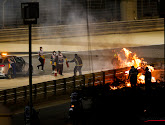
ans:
(128, 85)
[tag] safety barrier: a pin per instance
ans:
(52, 32)
(51, 89)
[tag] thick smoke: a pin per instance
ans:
(64, 18)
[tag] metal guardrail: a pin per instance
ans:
(51, 89)
(52, 32)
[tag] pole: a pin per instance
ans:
(30, 72)
(60, 12)
(3, 17)
(88, 37)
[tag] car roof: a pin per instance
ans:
(3, 57)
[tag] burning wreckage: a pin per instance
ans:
(126, 58)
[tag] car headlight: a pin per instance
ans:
(2, 69)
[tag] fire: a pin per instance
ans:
(128, 84)
(141, 78)
(151, 69)
(131, 59)
(127, 52)
(153, 79)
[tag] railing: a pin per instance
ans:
(52, 32)
(51, 89)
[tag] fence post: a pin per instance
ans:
(74, 82)
(103, 78)
(35, 90)
(15, 95)
(45, 89)
(65, 85)
(93, 75)
(84, 80)
(114, 75)
(55, 87)
(5, 97)
(25, 93)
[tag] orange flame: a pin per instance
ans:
(127, 52)
(131, 59)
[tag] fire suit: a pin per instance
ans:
(41, 58)
(53, 61)
(79, 64)
(133, 76)
(60, 60)
(13, 65)
(148, 80)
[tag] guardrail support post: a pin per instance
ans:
(45, 89)
(35, 90)
(93, 75)
(103, 78)
(5, 97)
(74, 82)
(114, 75)
(84, 80)
(65, 85)
(55, 87)
(25, 92)
(15, 95)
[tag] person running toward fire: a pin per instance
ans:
(133, 76)
(79, 64)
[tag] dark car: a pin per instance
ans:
(6, 70)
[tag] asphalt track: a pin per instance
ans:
(100, 61)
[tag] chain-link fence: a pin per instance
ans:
(63, 12)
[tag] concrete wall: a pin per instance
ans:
(128, 10)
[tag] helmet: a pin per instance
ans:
(147, 69)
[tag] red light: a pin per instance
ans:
(155, 121)
(72, 106)
(2, 65)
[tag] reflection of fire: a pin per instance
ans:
(131, 59)
(113, 87)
